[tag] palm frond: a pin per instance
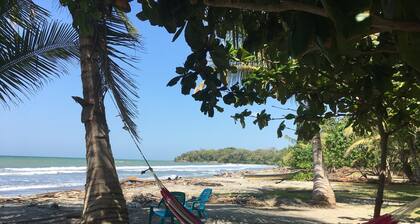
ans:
(33, 57)
(118, 35)
(24, 13)
(369, 142)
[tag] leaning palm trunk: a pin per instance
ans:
(104, 200)
(322, 191)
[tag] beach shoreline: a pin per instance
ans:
(233, 193)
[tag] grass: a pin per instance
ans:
(393, 192)
(353, 193)
(345, 193)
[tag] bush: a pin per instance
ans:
(234, 155)
(301, 156)
(303, 176)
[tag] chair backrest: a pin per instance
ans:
(180, 197)
(205, 195)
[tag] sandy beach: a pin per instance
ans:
(236, 199)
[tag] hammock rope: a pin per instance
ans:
(398, 214)
(183, 215)
(406, 209)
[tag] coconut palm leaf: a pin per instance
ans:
(116, 35)
(32, 57)
(18, 15)
(370, 142)
(23, 13)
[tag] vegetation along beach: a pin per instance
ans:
(209, 111)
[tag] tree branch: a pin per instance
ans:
(378, 23)
(280, 6)
(285, 108)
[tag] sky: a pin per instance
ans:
(48, 124)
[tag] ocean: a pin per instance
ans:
(32, 175)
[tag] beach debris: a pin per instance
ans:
(130, 180)
(174, 177)
(208, 184)
(145, 199)
(224, 174)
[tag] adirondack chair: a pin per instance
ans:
(199, 204)
(161, 211)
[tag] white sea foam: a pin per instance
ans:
(39, 186)
(41, 171)
(213, 168)
(15, 181)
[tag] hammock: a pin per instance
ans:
(183, 215)
(393, 217)
(383, 219)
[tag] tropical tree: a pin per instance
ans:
(349, 63)
(104, 32)
(32, 51)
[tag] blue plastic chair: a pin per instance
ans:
(162, 212)
(199, 204)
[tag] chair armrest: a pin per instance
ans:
(192, 203)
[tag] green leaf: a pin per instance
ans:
(220, 57)
(180, 70)
(280, 129)
(262, 119)
(178, 32)
(290, 116)
(174, 81)
(195, 35)
(241, 117)
(188, 82)
(229, 98)
(218, 108)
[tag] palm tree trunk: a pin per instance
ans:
(382, 170)
(322, 192)
(104, 200)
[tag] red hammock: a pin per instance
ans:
(183, 215)
(384, 219)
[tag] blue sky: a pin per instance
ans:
(48, 124)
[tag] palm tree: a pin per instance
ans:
(103, 33)
(31, 50)
(322, 192)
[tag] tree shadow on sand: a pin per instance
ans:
(39, 213)
(239, 214)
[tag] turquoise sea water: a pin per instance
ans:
(30, 175)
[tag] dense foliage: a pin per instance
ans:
(234, 155)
